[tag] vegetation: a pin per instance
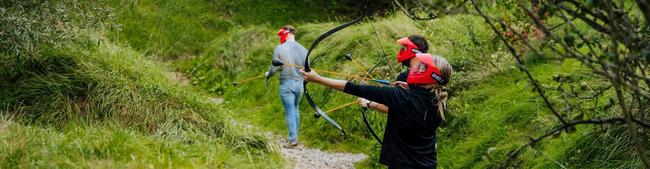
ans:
(112, 93)
(591, 33)
(224, 63)
(89, 89)
(85, 101)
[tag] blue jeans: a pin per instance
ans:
(290, 92)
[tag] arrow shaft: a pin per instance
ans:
(330, 72)
(340, 107)
(250, 79)
(361, 67)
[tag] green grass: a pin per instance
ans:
(168, 28)
(225, 62)
(503, 111)
(115, 108)
(493, 104)
(277, 13)
(108, 103)
(109, 146)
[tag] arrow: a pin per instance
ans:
(247, 80)
(277, 62)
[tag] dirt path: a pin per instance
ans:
(297, 157)
(179, 77)
(304, 157)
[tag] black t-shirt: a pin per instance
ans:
(410, 133)
(403, 76)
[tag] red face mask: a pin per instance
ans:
(408, 50)
(283, 33)
(426, 72)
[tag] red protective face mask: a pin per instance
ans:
(408, 50)
(283, 33)
(426, 72)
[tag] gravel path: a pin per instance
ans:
(298, 157)
(301, 157)
(304, 157)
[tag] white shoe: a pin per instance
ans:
(290, 144)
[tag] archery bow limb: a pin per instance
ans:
(365, 109)
(307, 68)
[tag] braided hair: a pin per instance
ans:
(438, 89)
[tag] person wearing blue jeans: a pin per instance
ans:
(290, 93)
(289, 52)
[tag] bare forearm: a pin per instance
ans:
(379, 107)
(373, 105)
(332, 83)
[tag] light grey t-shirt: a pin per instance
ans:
(290, 52)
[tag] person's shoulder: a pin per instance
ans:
(280, 46)
(302, 47)
(295, 43)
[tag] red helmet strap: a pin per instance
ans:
(441, 80)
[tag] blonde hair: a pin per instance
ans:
(439, 89)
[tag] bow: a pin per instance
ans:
(365, 109)
(307, 68)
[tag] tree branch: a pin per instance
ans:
(431, 16)
(517, 57)
(615, 120)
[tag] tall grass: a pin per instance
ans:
(168, 29)
(111, 146)
(117, 109)
(98, 103)
(502, 112)
(493, 107)
(245, 52)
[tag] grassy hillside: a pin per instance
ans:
(503, 111)
(168, 28)
(84, 104)
(171, 28)
(104, 99)
(492, 107)
(225, 62)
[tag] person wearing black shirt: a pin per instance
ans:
(414, 115)
(409, 46)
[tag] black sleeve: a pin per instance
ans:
(389, 96)
(402, 76)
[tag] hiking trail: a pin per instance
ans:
(297, 157)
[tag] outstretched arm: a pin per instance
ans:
(385, 95)
(312, 76)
